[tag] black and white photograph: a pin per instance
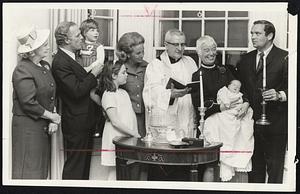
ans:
(187, 96)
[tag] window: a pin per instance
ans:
(107, 20)
(228, 28)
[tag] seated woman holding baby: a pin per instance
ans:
(226, 117)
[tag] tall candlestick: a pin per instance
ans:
(263, 117)
(201, 109)
(201, 91)
(264, 74)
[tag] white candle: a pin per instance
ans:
(264, 74)
(149, 112)
(201, 91)
(150, 101)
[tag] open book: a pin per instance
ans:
(180, 85)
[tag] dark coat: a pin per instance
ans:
(34, 92)
(213, 80)
(73, 87)
(78, 114)
(277, 78)
(269, 140)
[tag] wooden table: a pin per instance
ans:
(131, 148)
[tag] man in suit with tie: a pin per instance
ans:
(78, 110)
(270, 140)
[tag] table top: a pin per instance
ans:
(138, 144)
(131, 148)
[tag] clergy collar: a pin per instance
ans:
(173, 60)
(208, 66)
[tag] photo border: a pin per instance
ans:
(6, 91)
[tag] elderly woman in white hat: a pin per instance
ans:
(34, 116)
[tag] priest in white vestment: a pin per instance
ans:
(170, 107)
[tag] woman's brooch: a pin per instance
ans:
(47, 67)
(222, 69)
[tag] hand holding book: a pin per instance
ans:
(177, 93)
(193, 86)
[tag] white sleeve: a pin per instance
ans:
(222, 96)
(108, 100)
(100, 54)
(283, 96)
(155, 93)
(193, 65)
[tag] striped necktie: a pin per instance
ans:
(260, 62)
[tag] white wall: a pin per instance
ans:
(137, 21)
(17, 18)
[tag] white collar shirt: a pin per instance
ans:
(71, 54)
(266, 52)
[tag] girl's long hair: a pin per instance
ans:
(106, 79)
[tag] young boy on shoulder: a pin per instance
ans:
(91, 49)
(90, 55)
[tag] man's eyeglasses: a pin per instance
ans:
(177, 44)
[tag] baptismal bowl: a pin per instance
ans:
(159, 134)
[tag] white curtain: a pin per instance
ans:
(57, 16)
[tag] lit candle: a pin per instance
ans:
(264, 74)
(201, 91)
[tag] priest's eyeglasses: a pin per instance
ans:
(176, 44)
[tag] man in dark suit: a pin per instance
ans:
(78, 110)
(270, 140)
